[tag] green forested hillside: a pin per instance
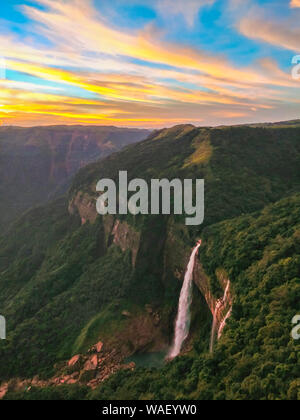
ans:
(256, 357)
(66, 285)
(244, 168)
(57, 281)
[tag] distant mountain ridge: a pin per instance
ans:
(37, 163)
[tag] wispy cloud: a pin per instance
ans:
(101, 74)
(281, 33)
(188, 9)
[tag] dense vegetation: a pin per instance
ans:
(63, 392)
(256, 357)
(50, 294)
(244, 168)
(63, 285)
(63, 289)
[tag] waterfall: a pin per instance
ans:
(223, 323)
(220, 305)
(214, 326)
(183, 319)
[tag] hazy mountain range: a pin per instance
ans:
(37, 163)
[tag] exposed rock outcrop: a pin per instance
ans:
(85, 205)
(126, 238)
(203, 283)
(176, 255)
(116, 232)
(89, 369)
(74, 361)
(3, 390)
(175, 258)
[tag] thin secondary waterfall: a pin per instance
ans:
(223, 323)
(221, 304)
(214, 326)
(183, 319)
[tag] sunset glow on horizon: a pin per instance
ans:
(148, 64)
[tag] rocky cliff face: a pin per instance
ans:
(37, 163)
(176, 257)
(126, 238)
(85, 205)
(175, 252)
(220, 306)
(116, 232)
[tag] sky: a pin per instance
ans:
(149, 63)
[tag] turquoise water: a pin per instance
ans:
(148, 360)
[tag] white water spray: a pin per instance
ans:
(183, 319)
(214, 325)
(223, 323)
(220, 305)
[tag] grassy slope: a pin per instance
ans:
(47, 305)
(244, 168)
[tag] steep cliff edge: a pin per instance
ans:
(256, 359)
(241, 176)
(175, 255)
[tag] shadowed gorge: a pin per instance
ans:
(37, 164)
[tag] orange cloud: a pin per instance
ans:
(88, 32)
(295, 3)
(131, 92)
